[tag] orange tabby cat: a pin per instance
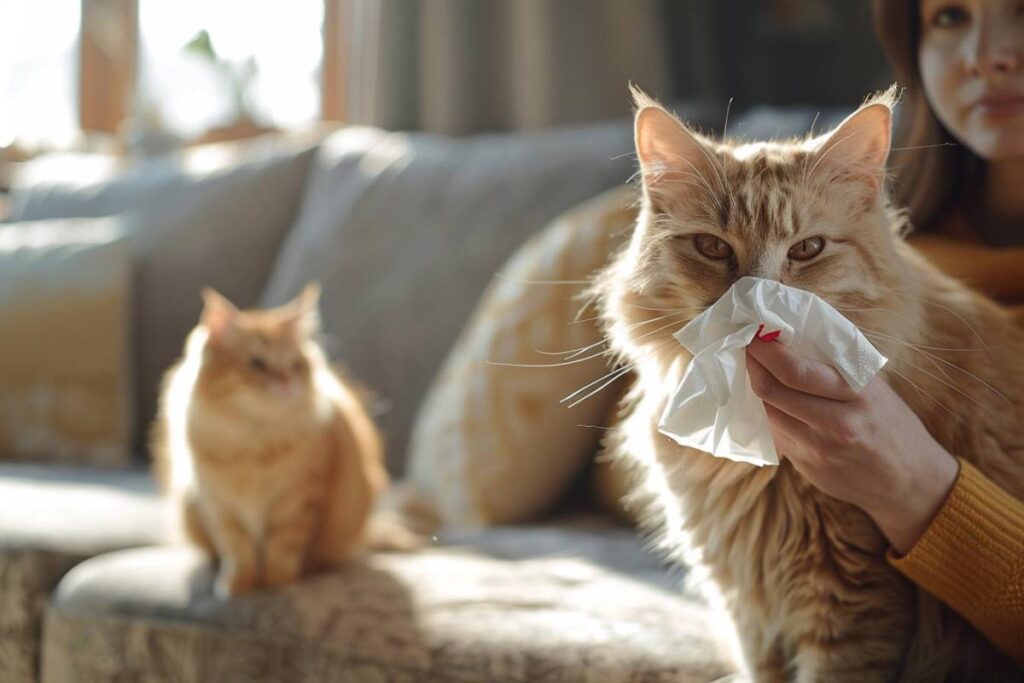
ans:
(270, 461)
(804, 576)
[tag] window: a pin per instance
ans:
(264, 64)
(38, 72)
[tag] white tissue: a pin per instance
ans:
(714, 409)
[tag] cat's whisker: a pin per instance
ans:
(677, 181)
(856, 158)
(610, 377)
(931, 359)
(695, 173)
(940, 144)
(725, 126)
(935, 359)
(916, 296)
(832, 145)
(952, 386)
(576, 360)
(547, 365)
(589, 301)
(584, 349)
(608, 380)
(810, 131)
(718, 169)
(674, 322)
(649, 308)
(541, 282)
(623, 156)
(716, 165)
(920, 391)
(864, 310)
(868, 332)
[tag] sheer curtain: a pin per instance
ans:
(463, 66)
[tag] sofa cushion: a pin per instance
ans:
(444, 614)
(404, 231)
(52, 518)
(189, 225)
(493, 442)
(64, 298)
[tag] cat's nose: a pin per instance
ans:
(284, 386)
(762, 270)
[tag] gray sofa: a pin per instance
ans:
(91, 591)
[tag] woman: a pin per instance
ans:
(955, 533)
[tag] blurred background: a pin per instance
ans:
(149, 148)
(191, 126)
(143, 76)
(401, 153)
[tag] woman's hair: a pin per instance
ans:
(930, 180)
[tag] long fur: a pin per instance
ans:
(804, 576)
(272, 469)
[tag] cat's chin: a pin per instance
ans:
(271, 405)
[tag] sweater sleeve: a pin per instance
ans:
(972, 558)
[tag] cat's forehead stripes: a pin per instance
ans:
(759, 200)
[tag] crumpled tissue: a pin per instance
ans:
(714, 408)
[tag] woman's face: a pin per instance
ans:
(970, 59)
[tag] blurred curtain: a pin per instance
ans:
(463, 66)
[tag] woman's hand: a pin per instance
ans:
(866, 448)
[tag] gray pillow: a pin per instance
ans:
(186, 229)
(404, 231)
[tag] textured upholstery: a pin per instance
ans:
(51, 518)
(544, 609)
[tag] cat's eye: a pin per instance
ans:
(258, 364)
(712, 247)
(807, 249)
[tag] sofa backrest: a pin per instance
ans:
(404, 231)
(188, 225)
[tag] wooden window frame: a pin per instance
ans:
(334, 63)
(108, 56)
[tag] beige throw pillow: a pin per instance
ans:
(492, 443)
(63, 347)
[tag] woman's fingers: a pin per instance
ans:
(807, 408)
(788, 433)
(802, 374)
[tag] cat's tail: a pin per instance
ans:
(403, 520)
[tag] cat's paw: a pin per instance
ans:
(232, 584)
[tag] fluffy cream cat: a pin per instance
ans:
(270, 461)
(804, 576)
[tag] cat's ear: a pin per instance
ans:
(219, 316)
(303, 312)
(857, 149)
(671, 155)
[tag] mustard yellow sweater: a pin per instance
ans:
(972, 558)
(972, 555)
